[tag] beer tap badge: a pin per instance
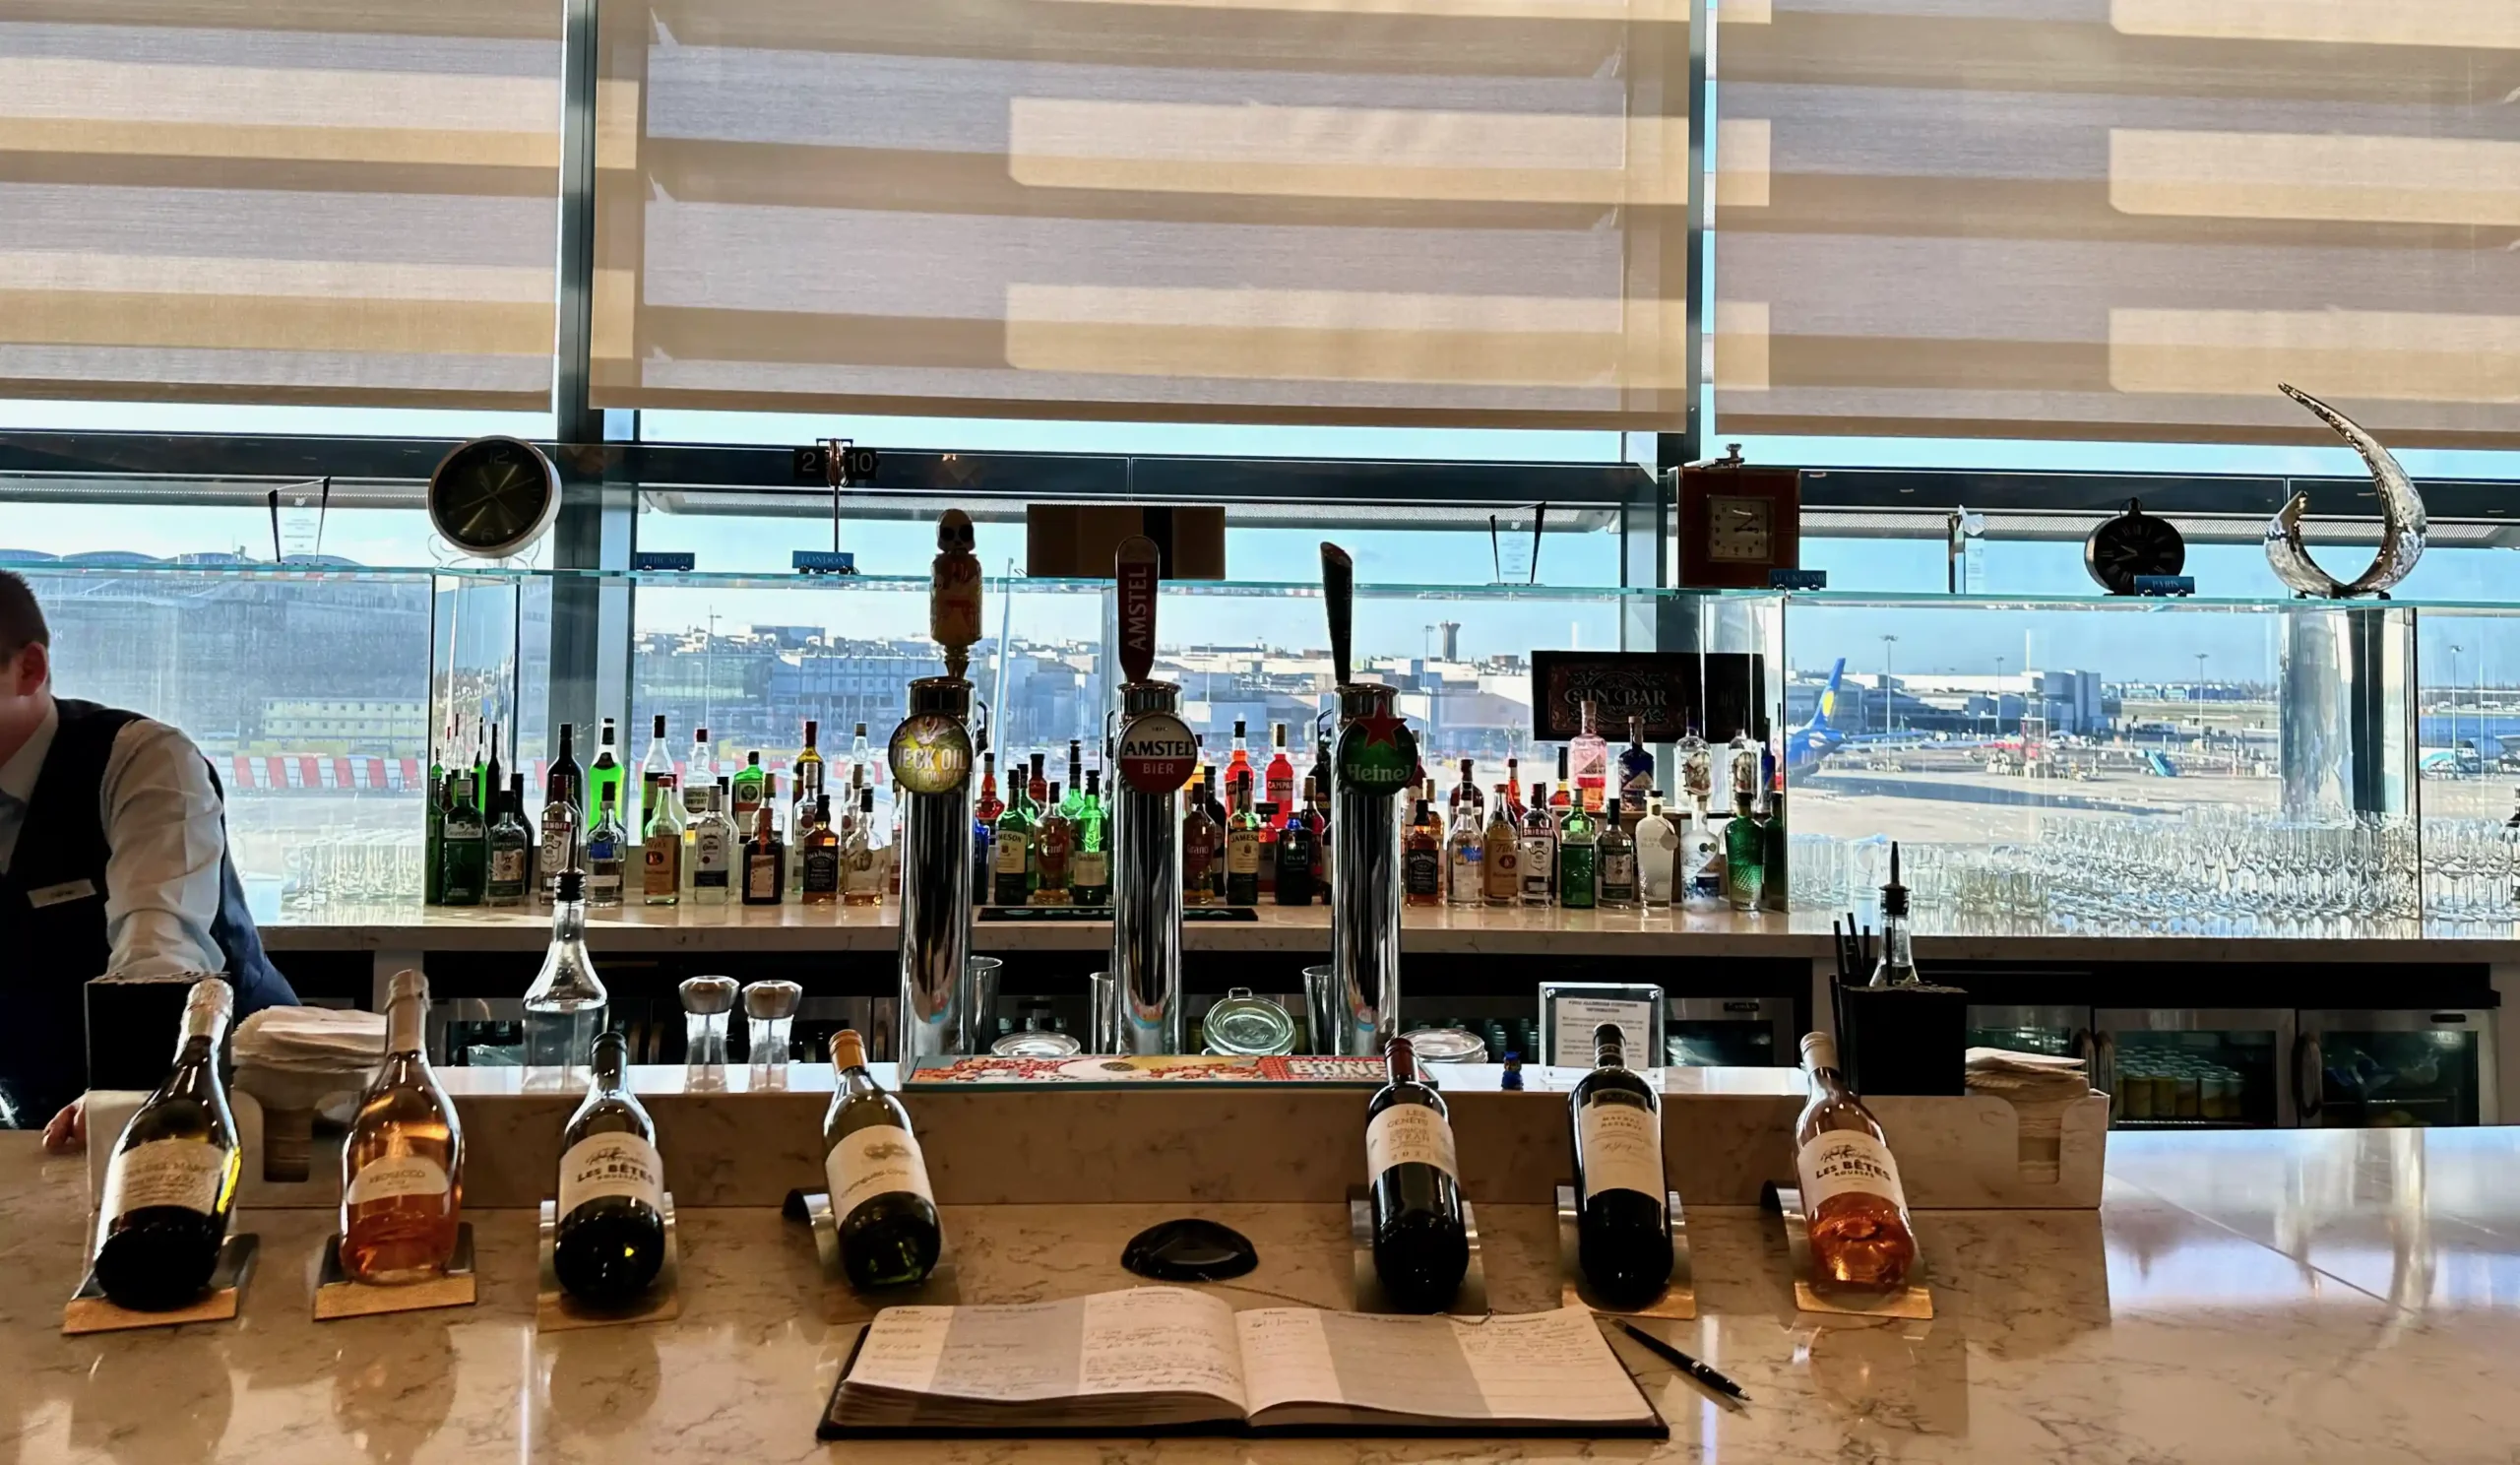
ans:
(1378, 754)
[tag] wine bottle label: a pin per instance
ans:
(616, 1164)
(186, 1172)
(1409, 1134)
(1622, 1149)
(1092, 867)
(397, 1175)
(1840, 1161)
(1242, 852)
(874, 1160)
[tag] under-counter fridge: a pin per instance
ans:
(2369, 1070)
(2196, 1067)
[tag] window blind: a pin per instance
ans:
(2120, 219)
(1316, 211)
(281, 201)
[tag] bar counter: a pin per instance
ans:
(2247, 1296)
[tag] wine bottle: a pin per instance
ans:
(172, 1184)
(1421, 1244)
(403, 1163)
(610, 1240)
(1622, 1218)
(1859, 1215)
(888, 1231)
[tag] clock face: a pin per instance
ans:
(2131, 544)
(1739, 530)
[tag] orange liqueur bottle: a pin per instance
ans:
(1859, 1236)
(403, 1165)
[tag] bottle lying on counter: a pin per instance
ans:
(171, 1186)
(1859, 1215)
(1622, 1210)
(403, 1163)
(888, 1235)
(1421, 1240)
(610, 1240)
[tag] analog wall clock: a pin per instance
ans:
(2131, 544)
(493, 496)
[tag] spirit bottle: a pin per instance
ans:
(1859, 1215)
(607, 852)
(563, 819)
(861, 759)
(987, 807)
(610, 1240)
(1280, 779)
(1742, 765)
(1237, 769)
(1579, 860)
(463, 844)
(699, 771)
(861, 870)
(1563, 794)
(661, 850)
(434, 839)
(1316, 799)
(1294, 854)
(1590, 756)
(764, 856)
(1745, 856)
(1202, 850)
(1014, 847)
(402, 1162)
(710, 855)
(1897, 964)
(511, 877)
(1657, 847)
(1697, 768)
(1501, 849)
(565, 778)
(1464, 792)
(171, 1186)
(564, 1008)
(889, 1234)
(1093, 858)
(1422, 858)
(1038, 788)
(655, 775)
(1636, 773)
(808, 772)
(818, 851)
(606, 773)
(1053, 842)
(493, 779)
(2512, 855)
(1513, 787)
(1242, 851)
(751, 788)
(1465, 848)
(1073, 803)
(1618, 862)
(1622, 1214)
(1702, 855)
(1421, 1243)
(1538, 849)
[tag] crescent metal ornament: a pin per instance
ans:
(2402, 521)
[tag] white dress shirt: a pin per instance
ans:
(161, 821)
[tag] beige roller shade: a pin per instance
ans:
(2124, 218)
(1302, 211)
(284, 201)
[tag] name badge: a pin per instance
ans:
(61, 894)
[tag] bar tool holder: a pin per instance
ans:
(1156, 755)
(769, 1018)
(1912, 1301)
(706, 1002)
(1677, 1299)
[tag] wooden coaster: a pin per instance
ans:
(1470, 1300)
(337, 1296)
(1678, 1297)
(940, 1288)
(555, 1311)
(1912, 1301)
(89, 1312)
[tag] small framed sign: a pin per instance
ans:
(1719, 694)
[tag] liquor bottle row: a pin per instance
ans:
(691, 833)
(170, 1186)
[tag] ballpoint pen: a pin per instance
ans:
(1682, 1361)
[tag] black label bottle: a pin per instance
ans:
(610, 1240)
(1421, 1243)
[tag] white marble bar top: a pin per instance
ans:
(2283, 1297)
(1442, 929)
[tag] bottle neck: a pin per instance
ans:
(609, 1075)
(568, 921)
(406, 1021)
(1898, 961)
(1609, 1052)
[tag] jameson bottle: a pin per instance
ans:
(610, 1240)
(403, 1163)
(1242, 851)
(889, 1234)
(171, 1186)
(1013, 846)
(1859, 1232)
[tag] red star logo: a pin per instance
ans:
(1382, 728)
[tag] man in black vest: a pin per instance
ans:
(113, 858)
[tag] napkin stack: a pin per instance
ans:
(2041, 1087)
(311, 1040)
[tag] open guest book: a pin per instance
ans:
(1166, 1359)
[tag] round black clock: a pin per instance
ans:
(2133, 543)
(493, 496)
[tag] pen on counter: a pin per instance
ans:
(1682, 1361)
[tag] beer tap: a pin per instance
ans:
(1156, 756)
(1376, 756)
(931, 757)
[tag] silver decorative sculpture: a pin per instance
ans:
(2402, 521)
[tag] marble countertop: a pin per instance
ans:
(1461, 930)
(2288, 1296)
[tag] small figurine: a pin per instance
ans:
(953, 593)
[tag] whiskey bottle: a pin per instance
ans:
(818, 851)
(660, 851)
(889, 1234)
(1242, 851)
(607, 852)
(1202, 845)
(565, 1007)
(1422, 858)
(463, 844)
(610, 1240)
(1501, 849)
(170, 1186)
(1859, 1215)
(511, 844)
(1013, 846)
(1093, 856)
(1421, 1243)
(1053, 843)
(1622, 1214)
(402, 1162)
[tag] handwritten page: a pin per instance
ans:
(1547, 1366)
(1147, 1340)
(1152, 1340)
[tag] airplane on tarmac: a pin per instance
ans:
(1807, 746)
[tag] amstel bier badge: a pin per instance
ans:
(1158, 752)
(930, 753)
(1377, 754)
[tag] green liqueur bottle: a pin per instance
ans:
(463, 844)
(1092, 856)
(879, 1194)
(1579, 847)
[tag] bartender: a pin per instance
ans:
(113, 858)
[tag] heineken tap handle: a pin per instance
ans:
(1339, 596)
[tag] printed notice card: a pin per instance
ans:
(1168, 1360)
